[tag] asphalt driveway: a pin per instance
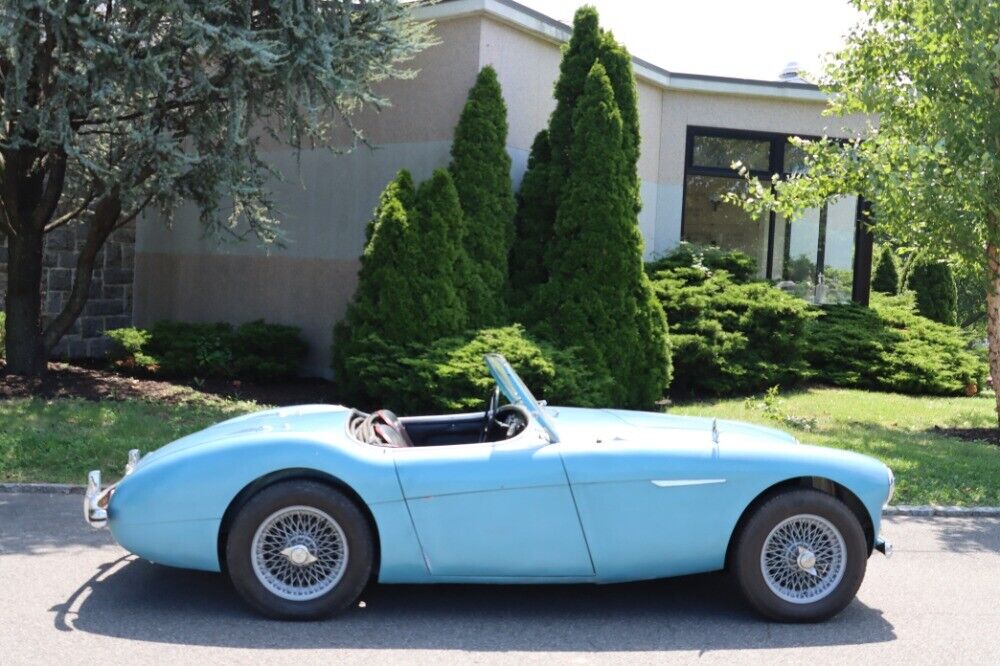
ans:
(68, 594)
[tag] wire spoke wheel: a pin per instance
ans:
(299, 553)
(803, 559)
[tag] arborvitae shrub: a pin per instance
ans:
(933, 285)
(727, 337)
(598, 296)
(480, 168)
(886, 276)
(889, 347)
(536, 212)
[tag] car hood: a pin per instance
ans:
(300, 419)
(621, 424)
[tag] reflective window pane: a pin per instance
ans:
(820, 237)
(721, 152)
(795, 159)
(710, 221)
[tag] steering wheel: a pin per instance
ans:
(491, 412)
(510, 418)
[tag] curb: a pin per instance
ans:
(42, 488)
(918, 511)
(942, 511)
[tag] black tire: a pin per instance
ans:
(747, 558)
(317, 496)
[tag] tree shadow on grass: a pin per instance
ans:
(136, 600)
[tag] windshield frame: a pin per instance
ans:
(517, 393)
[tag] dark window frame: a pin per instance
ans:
(861, 283)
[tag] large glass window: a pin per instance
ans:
(812, 257)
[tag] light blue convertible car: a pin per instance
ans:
(302, 507)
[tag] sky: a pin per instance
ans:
(737, 38)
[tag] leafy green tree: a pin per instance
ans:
(536, 212)
(480, 167)
(930, 71)
(598, 296)
(886, 278)
(933, 284)
(110, 108)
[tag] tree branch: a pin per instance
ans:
(51, 191)
(70, 215)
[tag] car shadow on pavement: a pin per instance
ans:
(137, 600)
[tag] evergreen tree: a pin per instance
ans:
(933, 284)
(382, 303)
(886, 278)
(480, 168)
(598, 297)
(443, 276)
(618, 63)
(579, 56)
(536, 212)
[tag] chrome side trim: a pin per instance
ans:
(671, 483)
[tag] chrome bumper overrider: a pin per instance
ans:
(96, 499)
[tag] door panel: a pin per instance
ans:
(640, 529)
(493, 510)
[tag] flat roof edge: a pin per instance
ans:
(529, 20)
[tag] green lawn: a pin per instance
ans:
(929, 468)
(60, 440)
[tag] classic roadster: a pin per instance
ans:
(302, 507)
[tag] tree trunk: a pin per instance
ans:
(25, 350)
(993, 317)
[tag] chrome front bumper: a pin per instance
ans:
(97, 499)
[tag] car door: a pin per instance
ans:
(651, 509)
(494, 510)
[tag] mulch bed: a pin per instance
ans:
(978, 435)
(98, 383)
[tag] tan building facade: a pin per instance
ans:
(691, 126)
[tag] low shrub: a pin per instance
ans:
(266, 351)
(730, 337)
(3, 335)
(255, 350)
(449, 375)
(129, 350)
(740, 265)
(889, 347)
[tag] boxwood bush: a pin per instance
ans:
(889, 347)
(449, 375)
(255, 350)
(728, 337)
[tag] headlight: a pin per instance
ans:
(892, 487)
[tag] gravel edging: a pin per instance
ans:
(921, 511)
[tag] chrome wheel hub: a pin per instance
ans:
(299, 553)
(803, 559)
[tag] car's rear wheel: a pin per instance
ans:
(800, 557)
(299, 550)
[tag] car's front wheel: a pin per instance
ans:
(299, 550)
(800, 557)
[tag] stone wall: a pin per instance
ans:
(110, 302)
